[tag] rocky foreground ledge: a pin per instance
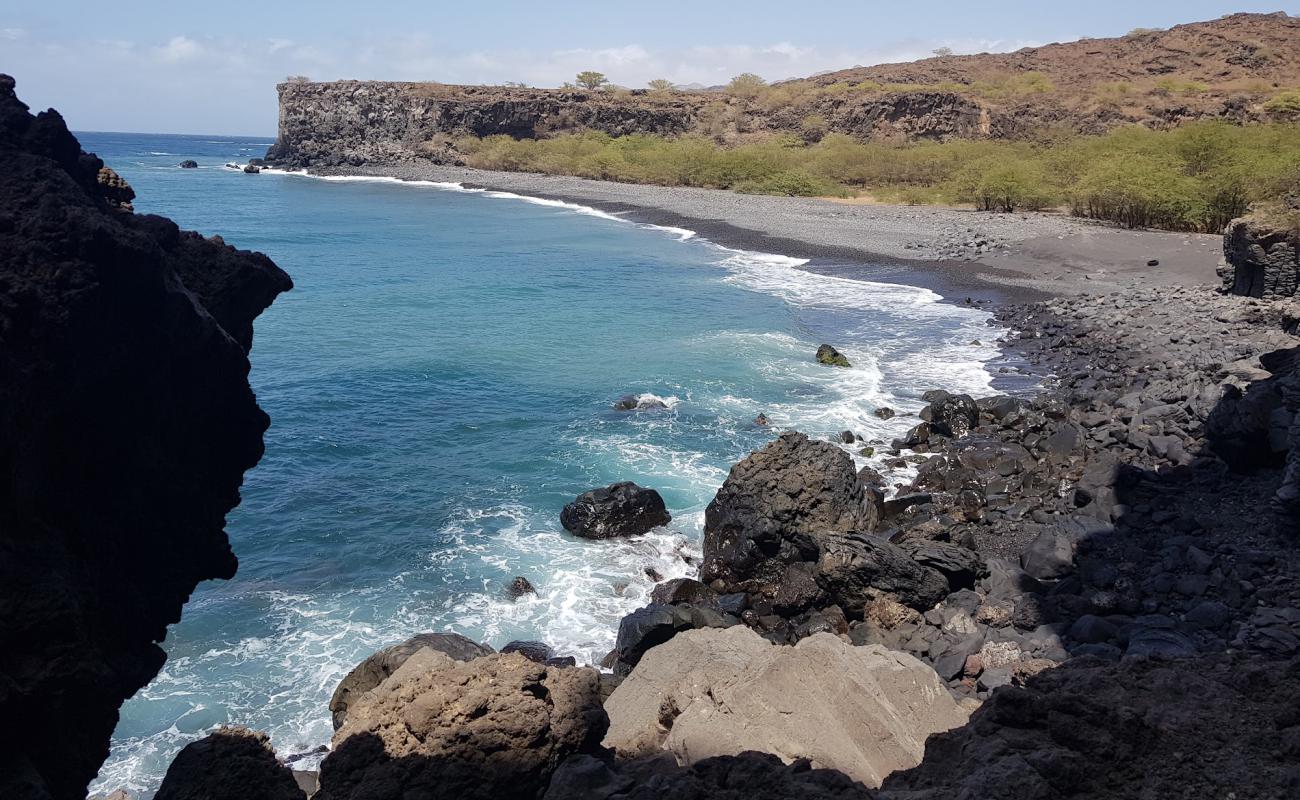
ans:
(1089, 593)
(126, 425)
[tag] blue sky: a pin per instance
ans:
(147, 65)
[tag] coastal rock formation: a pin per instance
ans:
(655, 624)
(126, 425)
(865, 711)
(828, 355)
(620, 509)
(1262, 252)
(380, 665)
(496, 727)
(747, 776)
(231, 764)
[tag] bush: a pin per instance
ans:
(1284, 104)
(746, 84)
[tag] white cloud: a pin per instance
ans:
(12, 34)
(180, 48)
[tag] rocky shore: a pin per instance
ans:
(1087, 592)
(1090, 592)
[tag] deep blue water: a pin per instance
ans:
(440, 383)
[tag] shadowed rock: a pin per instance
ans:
(231, 764)
(126, 425)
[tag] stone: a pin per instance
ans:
(885, 412)
(620, 509)
(773, 509)
(1049, 556)
(1209, 615)
(960, 565)
(376, 668)
(232, 763)
(866, 711)
(746, 776)
(537, 652)
(831, 357)
(648, 402)
(188, 164)
(1091, 629)
(495, 727)
(1153, 642)
(854, 570)
(996, 655)
(952, 415)
(126, 426)
(655, 624)
(683, 591)
(519, 587)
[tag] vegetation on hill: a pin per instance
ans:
(1193, 178)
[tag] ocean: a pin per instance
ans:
(441, 381)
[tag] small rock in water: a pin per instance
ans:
(885, 412)
(519, 587)
(831, 357)
(252, 169)
(654, 574)
(761, 420)
(848, 437)
(638, 402)
(188, 164)
(621, 509)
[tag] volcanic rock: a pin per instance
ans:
(620, 509)
(232, 763)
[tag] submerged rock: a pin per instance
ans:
(639, 402)
(519, 587)
(831, 357)
(233, 763)
(188, 163)
(620, 509)
(496, 727)
(865, 711)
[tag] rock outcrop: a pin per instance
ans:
(231, 764)
(380, 665)
(1262, 253)
(493, 728)
(620, 509)
(126, 425)
(865, 711)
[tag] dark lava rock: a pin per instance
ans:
(655, 624)
(855, 569)
(252, 169)
(885, 412)
(848, 437)
(519, 587)
(230, 764)
(621, 509)
(1049, 556)
(951, 415)
(188, 164)
(831, 357)
(378, 666)
(126, 425)
(960, 565)
(637, 402)
(537, 652)
(773, 508)
(683, 590)
(747, 776)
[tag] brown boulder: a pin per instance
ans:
(490, 729)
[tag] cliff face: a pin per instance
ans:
(1225, 69)
(126, 425)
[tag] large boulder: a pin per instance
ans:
(126, 426)
(865, 711)
(747, 776)
(774, 508)
(951, 415)
(232, 763)
(620, 509)
(490, 729)
(378, 666)
(856, 569)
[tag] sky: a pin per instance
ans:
(182, 67)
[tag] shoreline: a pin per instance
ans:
(1025, 257)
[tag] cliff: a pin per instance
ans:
(1232, 68)
(126, 425)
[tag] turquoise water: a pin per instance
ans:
(440, 383)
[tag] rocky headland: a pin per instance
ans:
(126, 426)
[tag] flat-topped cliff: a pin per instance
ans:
(1243, 68)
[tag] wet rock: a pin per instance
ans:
(647, 402)
(951, 415)
(519, 587)
(831, 357)
(885, 412)
(188, 164)
(620, 509)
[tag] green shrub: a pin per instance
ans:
(1284, 104)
